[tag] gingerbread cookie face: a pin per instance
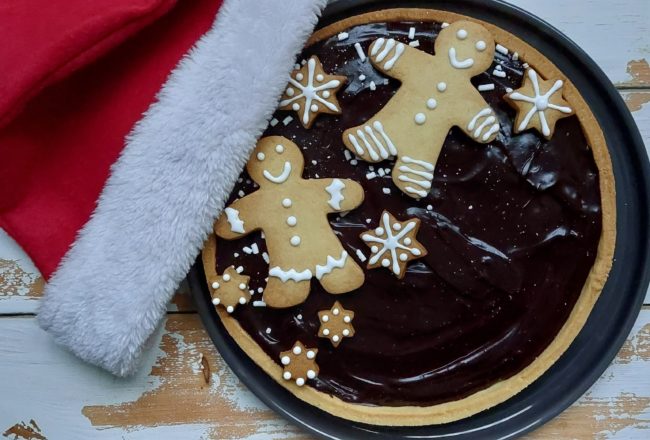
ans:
(468, 249)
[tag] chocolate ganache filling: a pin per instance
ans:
(511, 228)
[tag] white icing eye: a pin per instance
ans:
(431, 103)
(297, 350)
(442, 86)
(319, 77)
(461, 34)
(295, 106)
(481, 46)
(261, 156)
(279, 149)
(299, 76)
(290, 91)
(420, 118)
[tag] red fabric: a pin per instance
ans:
(58, 142)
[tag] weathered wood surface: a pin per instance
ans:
(184, 390)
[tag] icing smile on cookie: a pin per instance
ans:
(282, 177)
(464, 64)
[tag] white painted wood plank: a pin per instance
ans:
(612, 32)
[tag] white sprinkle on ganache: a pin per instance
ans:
(343, 36)
(414, 43)
(502, 49)
(373, 86)
(361, 256)
(485, 87)
(287, 120)
(411, 33)
(359, 49)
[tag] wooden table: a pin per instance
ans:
(184, 389)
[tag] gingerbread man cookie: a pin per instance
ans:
(292, 213)
(436, 95)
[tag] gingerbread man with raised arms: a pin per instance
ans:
(436, 94)
(292, 213)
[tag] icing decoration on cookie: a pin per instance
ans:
(311, 91)
(539, 104)
(436, 94)
(336, 324)
(230, 289)
(393, 244)
(299, 363)
(292, 213)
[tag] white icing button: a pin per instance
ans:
(215, 285)
(335, 338)
(407, 241)
(286, 375)
(311, 355)
(311, 374)
(403, 257)
(295, 106)
(415, 251)
(300, 381)
(291, 221)
(242, 300)
(290, 91)
(397, 226)
(379, 231)
(481, 46)
(314, 108)
(326, 331)
(279, 149)
(461, 34)
(385, 262)
(299, 76)
(286, 360)
(286, 203)
(297, 350)
(260, 156)
(326, 94)
(326, 318)
(230, 309)
(242, 286)
(347, 319)
(295, 240)
(319, 77)
(431, 103)
(216, 301)
(226, 277)
(336, 312)
(374, 249)
(420, 118)
(346, 332)
(442, 86)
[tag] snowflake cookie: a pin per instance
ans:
(539, 104)
(299, 363)
(230, 289)
(393, 244)
(311, 92)
(336, 324)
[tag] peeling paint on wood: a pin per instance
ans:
(24, 431)
(639, 70)
(15, 281)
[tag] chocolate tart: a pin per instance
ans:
(519, 235)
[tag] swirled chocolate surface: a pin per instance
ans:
(511, 229)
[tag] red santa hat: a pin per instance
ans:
(123, 127)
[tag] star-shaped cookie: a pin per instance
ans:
(311, 92)
(230, 289)
(336, 324)
(393, 244)
(299, 363)
(539, 104)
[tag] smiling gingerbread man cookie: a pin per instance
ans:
(436, 95)
(292, 213)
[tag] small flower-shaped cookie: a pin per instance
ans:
(299, 363)
(336, 324)
(230, 289)
(311, 91)
(393, 244)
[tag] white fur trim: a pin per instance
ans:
(171, 181)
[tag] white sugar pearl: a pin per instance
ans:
(230, 309)
(326, 331)
(397, 226)
(347, 319)
(295, 240)
(420, 118)
(286, 360)
(336, 311)
(403, 257)
(314, 108)
(325, 318)
(286, 203)
(461, 34)
(300, 381)
(431, 103)
(242, 286)
(442, 86)
(290, 91)
(295, 106)
(407, 241)
(242, 300)
(215, 285)
(297, 350)
(385, 262)
(216, 301)
(336, 338)
(319, 77)
(379, 231)
(311, 354)
(291, 220)
(346, 332)
(226, 277)
(481, 46)
(299, 76)
(374, 249)
(286, 375)
(260, 156)
(326, 94)
(279, 148)
(311, 374)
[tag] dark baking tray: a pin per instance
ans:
(611, 319)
